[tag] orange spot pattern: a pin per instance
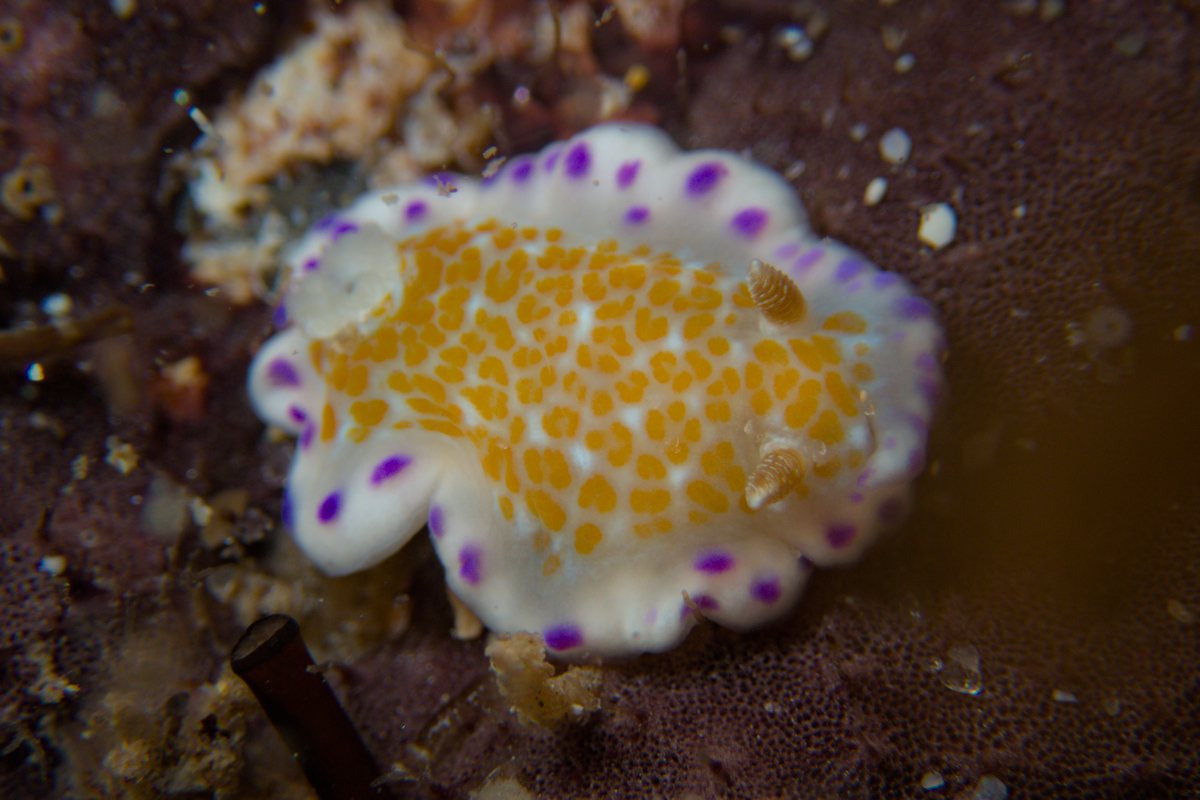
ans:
(604, 391)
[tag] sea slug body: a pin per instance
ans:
(623, 385)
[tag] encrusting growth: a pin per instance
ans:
(590, 379)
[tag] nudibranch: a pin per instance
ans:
(624, 385)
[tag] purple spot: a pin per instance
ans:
(856, 497)
(916, 461)
(750, 222)
(297, 414)
(307, 436)
(552, 159)
(328, 510)
(714, 561)
(311, 264)
(706, 603)
(521, 170)
(839, 536)
(637, 215)
(766, 590)
(342, 228)
(886, 280)
(390, 467)
(806, 261)
(469, 559)
(578, 161)
(889, 443)
(890, 510)
(279, 317)
(326, 223)
(415, 211)
(436, 523)
(806, 564)
(911, 307)
(285, 510)
(926, 362)
(919, 424)
(854, 287)
(848, 269)
(787, 250)
(627, 173)
(704, 178)
(864, 477)
(280, 372)
(563, 637)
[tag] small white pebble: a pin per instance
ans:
(1112, 705)
(390, 199)
(938, 224)
(895, 146)
(1020, 211)
(35, 372)
(989, 788)
(932, 780)
(904, 63)
(794, 170)
(1052, 10)
(57, 305)
(858, 131)
(1184, 333)
(893, 37)
(123, 8)
(121, 455)
(1062, 696)
(876, 189)
(53, 565)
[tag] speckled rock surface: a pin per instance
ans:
(1035, 620)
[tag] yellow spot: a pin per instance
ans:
(699, 364)
(587, 536)
(328, 423)
(664, 291)
(648, 327)
(619, 455)
(754, 375)
(827, 428)
(567, 318)
(596, 491)
(608, 364)
(697, 517)
(553, 234)
(356, 381)
(533, 465)
(653, 501)
(769, 351)
(761, 402)
(517, 429)
(862, 372)
(846, 321)
(506, 508)
(560, 422)
(691, 430)
(593, 287)
(828, 349)
(601, 403)
(493, 368)
(544, 508)
(448, 374)
(677, 451)
(827, 470)
(474, 342)
(369, 413)
(501, 283)
(806, 351)
(696, 325)
(732, 381)
(504, 238)
(501, 333)
(594, 440)
(676, 410)
(551, 566)
(717, 412)
(682, 381)
(660, 364)
(704, 495)
(656, 425)
(807, 398)
(718, 345)
(491, 403)
(785, 382)
(650, 468)
(841, 395)
(557, 472)
(861, 349)
(529, 391)
(440, 426)
(556, 345)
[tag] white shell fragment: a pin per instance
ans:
(876, 189)
(895, 146)
(938, 224)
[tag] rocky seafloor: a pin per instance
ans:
(1032, 626)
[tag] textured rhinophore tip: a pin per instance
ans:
(776, 295)
(609, 377)
(776, 475)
